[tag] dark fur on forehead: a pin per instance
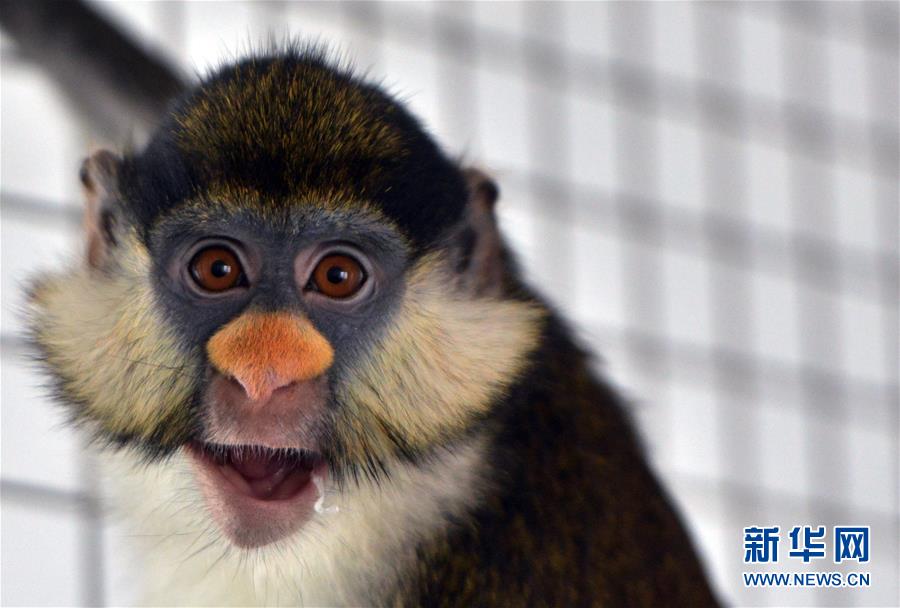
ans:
(292, 126)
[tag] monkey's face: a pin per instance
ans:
(295, 297)
(286, 306)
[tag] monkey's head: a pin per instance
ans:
(292, 284)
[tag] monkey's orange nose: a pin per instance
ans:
(266, 351)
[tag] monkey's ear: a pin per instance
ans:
(480, 253)
(100, 177)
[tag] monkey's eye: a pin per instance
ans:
(216, 269)
(338, 276)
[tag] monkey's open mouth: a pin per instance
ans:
(260, 472)
(258, 494)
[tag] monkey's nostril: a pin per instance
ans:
(248, 390)
(260, 389)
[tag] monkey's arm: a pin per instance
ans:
(113, 81)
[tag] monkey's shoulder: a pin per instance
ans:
(574, 517)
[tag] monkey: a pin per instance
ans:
(315, 374)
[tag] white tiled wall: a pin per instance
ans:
(761, 451)
(40, 555)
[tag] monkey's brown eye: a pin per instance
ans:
(216, 269)
(338, 276)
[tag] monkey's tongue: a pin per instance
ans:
(266, 474)
(258, 467)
